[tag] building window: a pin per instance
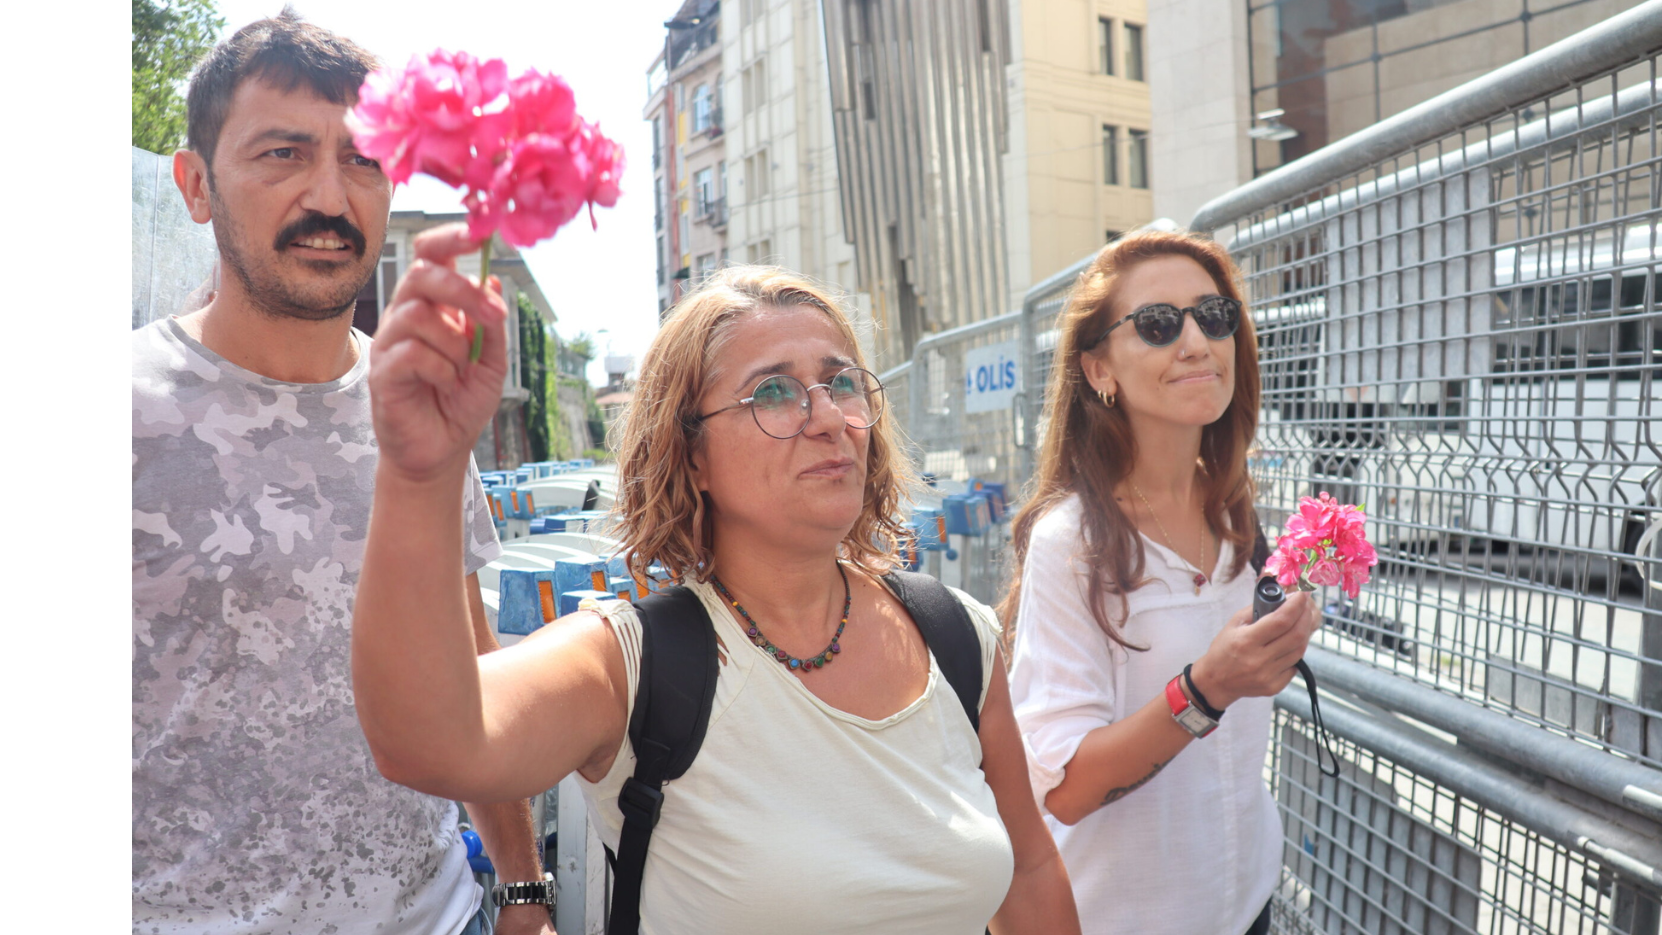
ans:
(703, 191)
(1134, 52)
(366, 315)
(701, 108)
(706, 265)
(756, 176)
(1137, 165)
(1105, 38)
(753, 83)
(721, 179)
(1110, 155)
(661, 270)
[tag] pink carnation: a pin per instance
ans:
(1287, 564)
(542, 104)
(605, 159)
(1325, 544)
(1325, 572)
(430, 117)
(540, 186)
(528, 161)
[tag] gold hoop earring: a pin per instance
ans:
(1108, 399)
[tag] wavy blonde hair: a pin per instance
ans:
(663, 517)
(1089, 447)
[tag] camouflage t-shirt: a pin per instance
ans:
(256, 804)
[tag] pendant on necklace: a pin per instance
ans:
(1200, 579)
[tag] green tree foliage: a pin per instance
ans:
(582, 344)
(536, 368)
(169, 38)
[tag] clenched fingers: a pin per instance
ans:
(432, 282)
(418, 320)
(416, 362)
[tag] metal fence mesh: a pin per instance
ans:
(1466, 339)
(1383, 851)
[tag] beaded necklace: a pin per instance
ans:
(786, 659)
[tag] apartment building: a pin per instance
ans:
(689, 150)
(784, 205)
(1079, 172)
(1240, 87)
(983, 146)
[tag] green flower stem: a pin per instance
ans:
(478, 349)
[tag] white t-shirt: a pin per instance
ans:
(798, 817)
(1197, 849)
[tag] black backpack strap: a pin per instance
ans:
(948, 632)
(672, 710)
(1260, 545)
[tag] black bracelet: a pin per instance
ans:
(1200, 700)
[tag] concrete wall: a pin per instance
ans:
(1407, 78)
(173, 256)
(1198, 93)
(1200, 87)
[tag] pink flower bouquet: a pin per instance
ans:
(1324, 544)
(528, 162)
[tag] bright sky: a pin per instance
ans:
(595, 280)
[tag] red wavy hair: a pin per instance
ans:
(1089, 449)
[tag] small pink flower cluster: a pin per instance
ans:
(528, 161)
(1325, 544)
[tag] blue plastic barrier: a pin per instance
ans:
(967, 514)
(580, 574)
(525, 600)
(570, 599)
(476, 858)
(998, 500)
(931, 529)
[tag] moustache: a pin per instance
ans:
(313, 224)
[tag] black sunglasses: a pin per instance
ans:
(1159, 325)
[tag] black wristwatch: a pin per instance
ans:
(539, 892)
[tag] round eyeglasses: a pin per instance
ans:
(782, 404)
(1159, 325)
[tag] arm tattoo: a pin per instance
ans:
(1114, 795)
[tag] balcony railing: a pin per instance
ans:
(713, 213)
(684, 48)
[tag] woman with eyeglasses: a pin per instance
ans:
(839, 786)
(1140, 682)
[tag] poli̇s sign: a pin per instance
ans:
(991, 377)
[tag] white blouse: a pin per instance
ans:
(1198, 848)
(800, 817)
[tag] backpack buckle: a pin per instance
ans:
(640, 802)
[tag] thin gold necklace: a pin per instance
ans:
(1200, 576)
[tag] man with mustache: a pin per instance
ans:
(257, 806)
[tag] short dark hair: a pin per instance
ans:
(284, 50)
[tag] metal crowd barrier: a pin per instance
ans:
(1460, 327)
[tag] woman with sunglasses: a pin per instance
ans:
(839, 786)
(1131, 600)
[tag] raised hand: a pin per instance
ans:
(429, 402)
(1251, 659)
